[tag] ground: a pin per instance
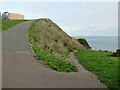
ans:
(22, 70)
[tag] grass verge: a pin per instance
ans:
(56, 62)
(6, 24)
(100, 63)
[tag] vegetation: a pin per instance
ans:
(52, 45)
(0, 25)
(116, 54)
(103, 65)
(84, 42)
(57, 63)
(6, 24)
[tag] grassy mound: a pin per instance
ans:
(104, 66)
(84, 42)
(6, 24)
(52, 45)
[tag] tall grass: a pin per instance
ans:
(48, 45)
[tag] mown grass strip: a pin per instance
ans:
(6, 24)
(103, 65)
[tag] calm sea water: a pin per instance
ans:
(103, 43)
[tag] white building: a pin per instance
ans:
(12, 16)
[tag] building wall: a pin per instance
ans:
(15, 16)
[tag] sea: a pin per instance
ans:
(102, 43)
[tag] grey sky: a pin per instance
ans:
(77, 19)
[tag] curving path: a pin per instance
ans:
(22, 70)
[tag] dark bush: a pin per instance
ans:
(116, 54)
(65, 44)
(56, 40)
(84, 43)
(113, 54)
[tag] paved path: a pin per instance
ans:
(22, 70)
(78, 65)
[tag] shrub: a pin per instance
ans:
(84, 43)
(116, 54)
(65, 44)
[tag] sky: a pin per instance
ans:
(60, 0)
(75, 18)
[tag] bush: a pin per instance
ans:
(65, 44)
(84, 43)
(116, 54)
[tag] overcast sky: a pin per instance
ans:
(75, 18)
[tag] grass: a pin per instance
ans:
(6, 24)
(0, 24)
(56, 63)
(103, 65)
(49, 47)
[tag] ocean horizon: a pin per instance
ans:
(109, 43)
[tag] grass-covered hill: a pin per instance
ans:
(52, 45)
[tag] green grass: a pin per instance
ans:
(48, 47)
(6, 24)
(56, 63)
(100, 63)
(0, 24)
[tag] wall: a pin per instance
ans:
(15, 16)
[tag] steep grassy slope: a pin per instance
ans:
(52, 45)
(6, 24)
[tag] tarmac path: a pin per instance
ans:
(20, 69)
